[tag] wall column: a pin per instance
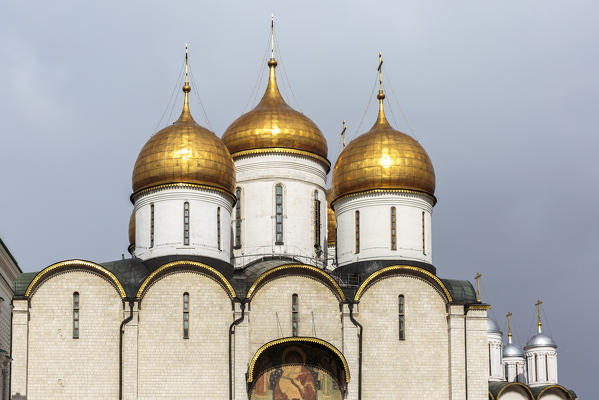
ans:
(351, 349)
(20, 336)
(130, 353)
(457, 376)
(241, 353)
(478, 353)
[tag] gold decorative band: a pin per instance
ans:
(401, 268)
(295, 340)
(180, 185)
(283, 150)
(75, 264)
(357, 193)
(479, 307)
(182, 263)
(300, 267)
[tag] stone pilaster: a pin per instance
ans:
(351, 350)
(478, 354)
(20, 334)
(241, 354)
(457, 382)
(130, 350)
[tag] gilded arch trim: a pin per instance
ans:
(297, 339)
(516, 384)
(400, 268)
(181, 265)
(555, 387)
(300, 267)
(74, 264)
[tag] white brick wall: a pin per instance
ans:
(61, 367)
(171, 367)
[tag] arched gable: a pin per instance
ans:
(297, 269)
(558, 387)
(512, 384)
(65, 266)
(403, 269)
(298, 340)
(186, 266)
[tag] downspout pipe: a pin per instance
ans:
(121, 332)
(356, 323)
(466, 309)
(231, 333)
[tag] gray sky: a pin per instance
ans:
(502, 95)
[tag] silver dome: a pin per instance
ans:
(540, 340)
(492, 326)
(511, 350)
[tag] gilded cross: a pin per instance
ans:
(477, 278)
(538, 305)
(343, 132)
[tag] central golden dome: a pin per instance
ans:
(186, 153)
(383, 158)
(274, 126)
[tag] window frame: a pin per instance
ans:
(423, 234)
(393, 228)
(317, 218)
(76, 315)
(186, 223)
(294, 315)
(279, 212)
(401, 314)
(218, 229)
(186, 308)
(238, 219)
(357, 232)
(152, 215)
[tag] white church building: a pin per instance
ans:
(250, 280)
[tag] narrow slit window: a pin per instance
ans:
(76, 315)
(218, 235)
(279, 214)
(151, 225)
(357, 228)
(536, 367)
(238, 219)
(423, 235)
(401, 307)
(316, 221)
(546, 368)
(186, 223)
(185, 315)
(393, 228)
(294, 315)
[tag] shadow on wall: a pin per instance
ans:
(19, 397)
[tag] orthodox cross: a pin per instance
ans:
(343, 132)
(509, 327)
(477, 278)
(538, 305)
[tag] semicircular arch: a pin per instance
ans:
(403, 269)
(74, 265)
(184, 265)
(328, 347)
(518, 384)
(301, 269)
(558, 387)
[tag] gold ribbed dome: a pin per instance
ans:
(274, 126)
(132, 228)
(184, 152)
(331, 221)
(383, 158)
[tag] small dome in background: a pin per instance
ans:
(540, 340)
(492, 326)
(511, 350)
(331, 221)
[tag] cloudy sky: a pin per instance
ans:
(503, 96)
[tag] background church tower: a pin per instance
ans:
(541, 356)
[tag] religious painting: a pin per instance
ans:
(296, 379)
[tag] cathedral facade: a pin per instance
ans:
(250, 280)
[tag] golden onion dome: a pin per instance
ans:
(383, 158)
(273, 126)
(331, 221)
(184, 153)
(132, 228)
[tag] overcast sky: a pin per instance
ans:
(502, 95)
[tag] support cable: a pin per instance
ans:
(259, 78)
(197, 95)
(370, 97)
(285, 76)
(171, 97)
(403, 114)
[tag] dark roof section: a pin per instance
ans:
(10, 254)
(495, 387)
(131, 272)
(538, 389)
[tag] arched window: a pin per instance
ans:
(218, 235)
(393, 228)
(151, 225)
(401, 308)
(76, 315)
(357, 228)
(294, 313)
(279, 213)
(536, 369)
(238, 219)
(423, 236)
(186, 223)
(316, 221)
(185, 315)
(546, 368)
